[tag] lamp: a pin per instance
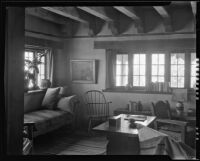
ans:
(45, 83)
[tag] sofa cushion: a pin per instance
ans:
(67, 103)
(50, 98)
(46, 120)
(65, 91)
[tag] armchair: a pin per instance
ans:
(164, 122)
(97, 106)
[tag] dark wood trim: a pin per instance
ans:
(14, 82)
(134, 91)
(187, 69)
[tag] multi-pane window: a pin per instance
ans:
(177, 70)
(31, 55)
(121, 69)
(139, 72)
(193, 71)
(42, 72)
(158, 68)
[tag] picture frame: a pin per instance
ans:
(83, 71)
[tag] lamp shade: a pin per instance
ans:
(45, 83)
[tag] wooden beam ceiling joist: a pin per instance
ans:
(69, 12)
(97, 12)
(43, 14)
(166, 17)
(130, 12)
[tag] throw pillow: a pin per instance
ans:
(67, 103)
(50, 98)
(65, 91)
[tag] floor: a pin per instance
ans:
(65, 142)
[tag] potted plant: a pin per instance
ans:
(31, 74)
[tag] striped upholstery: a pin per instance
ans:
(47, 120)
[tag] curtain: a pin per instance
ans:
(50, 67)
(110, 67)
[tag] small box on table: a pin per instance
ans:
(115, 121)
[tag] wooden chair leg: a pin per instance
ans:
(89, 125)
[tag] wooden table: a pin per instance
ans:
(123, 140)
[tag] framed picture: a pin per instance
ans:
(83, 71)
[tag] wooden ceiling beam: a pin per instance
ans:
(166, 17)
(69, 12)
(162, 11)
(43, 14)
(128, 11)
(97, 12)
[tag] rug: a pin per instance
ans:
(73, 144)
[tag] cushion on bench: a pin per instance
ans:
(46, 120)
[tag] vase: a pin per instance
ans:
(179, 108)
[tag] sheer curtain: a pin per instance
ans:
(50, 67)
(110, 67)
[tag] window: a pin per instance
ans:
(193, 71)
(32, 55)
(158, 68)
(177, 70)
(139, 72)
(121, 70)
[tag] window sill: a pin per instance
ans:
(35, 91)
(135, 91)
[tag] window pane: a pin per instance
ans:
(181, 58)
(154, 58)
(119, 59)
(161, 70)
(173, 59)
(136, 81)
(174, 71)
(160, 79)
(161, 59)
(193, 58)
(42, 69)
(142, 69)
(125, 70)
(125, 80)
(193, 82)
(26, 55)
(118, 81)
(136, 70)
(136, 58)
(30, 55)
(154, 70)
(42, 59)
(142, 80)
(118, 70)
(173, 81)
(154, 79)
(125, 59)
(181, 82)
(193, 70)
(181, 70)
(142, 59)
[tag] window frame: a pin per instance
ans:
(167, 68)
(35, 49)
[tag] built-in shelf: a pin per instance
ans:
(35, 91)
(135, 91)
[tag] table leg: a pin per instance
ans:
(122, 145)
